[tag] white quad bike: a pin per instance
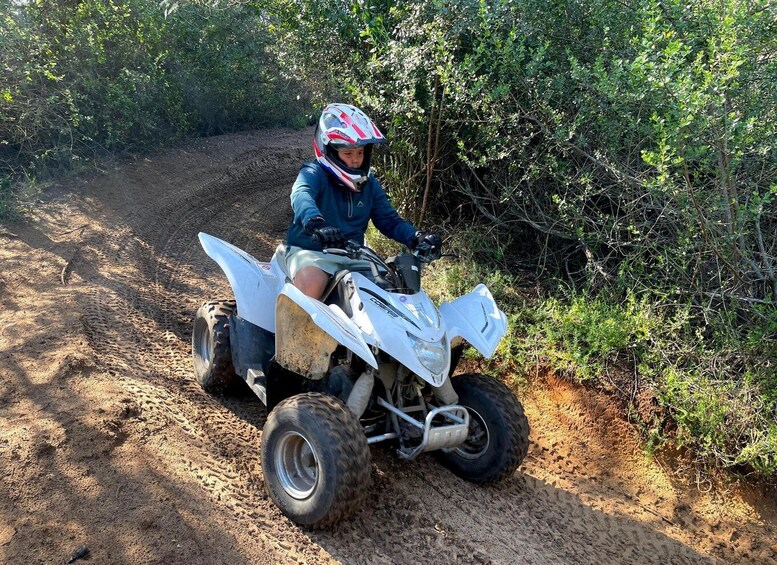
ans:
(370, 362)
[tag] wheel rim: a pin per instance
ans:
(478, 439)
(296, 464)
(203, 343)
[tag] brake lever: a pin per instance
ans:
(334, 251)
(350, 250)
(428, 257)
(352, 246)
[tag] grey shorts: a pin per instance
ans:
(298, 258)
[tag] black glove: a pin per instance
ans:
(324, 234)
(329, 236)
(315, 223)
(427, 244)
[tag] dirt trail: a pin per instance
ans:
(107, 441)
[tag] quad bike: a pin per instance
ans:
(369, 362)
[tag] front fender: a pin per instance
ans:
(476, 318)
(308, 332)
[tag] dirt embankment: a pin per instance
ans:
(107, 441)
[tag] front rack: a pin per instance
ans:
(435, 436)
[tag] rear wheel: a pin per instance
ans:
(211, 350)
(315, 459)
(498, 437)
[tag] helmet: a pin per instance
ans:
(342, 126)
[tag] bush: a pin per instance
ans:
(79, 80)
(714, 394)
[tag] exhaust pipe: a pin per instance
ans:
(360, 394)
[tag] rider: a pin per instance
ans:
(334, 199)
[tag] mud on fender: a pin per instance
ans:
(308, 332)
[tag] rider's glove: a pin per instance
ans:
(324, 234)
(315, 223)
(329, 236)
(427, 244)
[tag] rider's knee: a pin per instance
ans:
(311, 281)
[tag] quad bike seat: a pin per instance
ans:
(280, 257)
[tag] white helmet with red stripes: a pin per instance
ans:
(342, 126)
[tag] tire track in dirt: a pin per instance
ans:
(599, 537)
(150, 275)
(137, 320)
(152, 389)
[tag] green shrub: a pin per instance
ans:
(716, 390)
(81, 79)
(626, 146)
(728, 421)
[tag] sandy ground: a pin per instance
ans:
(107, 441)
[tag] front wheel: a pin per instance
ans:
(315, 459)
(498, 437)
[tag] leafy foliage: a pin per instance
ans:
(716, 395)
(79, 79)
(638, 140)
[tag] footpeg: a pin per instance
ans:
(257, 381)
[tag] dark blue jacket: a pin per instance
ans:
(315, 193)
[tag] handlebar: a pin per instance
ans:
(398, 272)
(357, 251)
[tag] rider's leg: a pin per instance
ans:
(311, 281)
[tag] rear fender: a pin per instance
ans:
(476, 318)
(309, 331)
(254, 284)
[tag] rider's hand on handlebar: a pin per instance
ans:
(427, 245)
(326, 235)
(329, 236)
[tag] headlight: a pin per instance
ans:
(432, 354)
